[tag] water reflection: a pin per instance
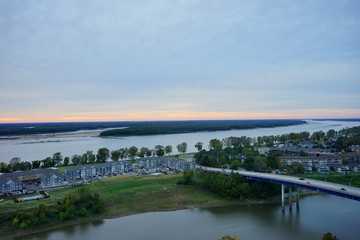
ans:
(317, 215)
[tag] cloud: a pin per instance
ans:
(165, 59)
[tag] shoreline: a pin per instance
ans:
(107, 216)
(180, 200)
(94, 133)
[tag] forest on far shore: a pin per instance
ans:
(140, 128)
(174, 127)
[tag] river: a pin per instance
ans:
(29, 150)
(318, 214)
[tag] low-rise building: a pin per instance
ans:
(351, 157)
(36, 178)
(343, 169)
(170, 162)
(307, 169)
(322, 169)
(101, 169)
(327, 160)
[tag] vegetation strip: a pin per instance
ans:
(154, 128)
(7, 129)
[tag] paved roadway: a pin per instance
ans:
(315, 185)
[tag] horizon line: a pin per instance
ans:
(187, 120)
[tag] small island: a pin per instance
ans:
(175, 127)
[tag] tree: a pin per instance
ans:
(149, 153)
(297, 167)
(88, 157)
(199, 146)
(141, 153)
(4, 167)
(47, 162)
(168, 149)
(329, 236)
(331, 133)
(182, 147)
(14, 161)
(66, 161)
(123, 153)
(260, 164)
(103, 154)
(235, 164)
(188, 177)
(249, 163)
(76, 159)
(35, 164)
(132, 152)
(228, 142)
(57, 159)
(115, 155)
(144, 151)
(227, 237)
(215, 144)
(159, 150)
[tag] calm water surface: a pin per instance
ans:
(39, 149)
(317, 215)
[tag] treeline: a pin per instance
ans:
(241, 152)
(174, 127)
(233, 152)
(150, 127)
(102, 155)
(7, 129)
(233, 186)
(79, 205)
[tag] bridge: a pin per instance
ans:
(298, 182)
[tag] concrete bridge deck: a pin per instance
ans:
(315, 185)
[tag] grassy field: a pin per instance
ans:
(353, 178)
(125, 195)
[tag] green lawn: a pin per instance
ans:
(125, 195)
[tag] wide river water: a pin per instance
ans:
(29, 150)
(318, 214)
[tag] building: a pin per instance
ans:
(33, 179)
(327, 160)
(323, 169)
(289, 148)
(343, 170)
(307, 169)
(351, 157)
(95, 170)
(170, 162)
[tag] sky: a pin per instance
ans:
(126, 60)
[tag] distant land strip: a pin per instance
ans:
(174, 127)
(20, 129)
(139, 127)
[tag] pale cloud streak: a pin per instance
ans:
(130, 60)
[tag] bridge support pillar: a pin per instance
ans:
(297, 198)
(283, 197)
(290, 198)
(293, 196)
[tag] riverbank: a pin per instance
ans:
(93, 133)
(127, 195)
(177, 127)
